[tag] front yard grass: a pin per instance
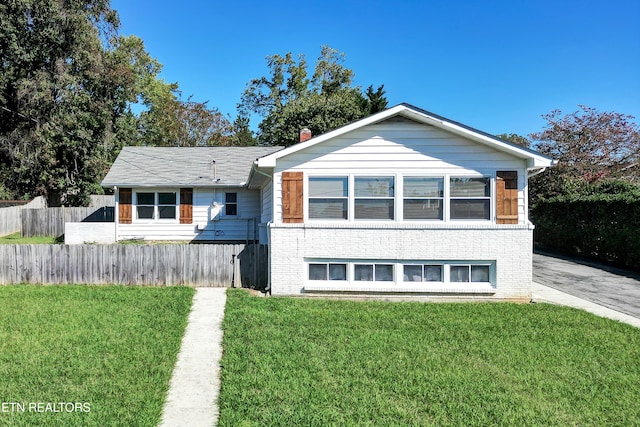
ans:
(111, 347)
(332, 363)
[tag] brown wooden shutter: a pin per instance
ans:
(186, 205)
(124, 205)
(507, 197)
(292, 198)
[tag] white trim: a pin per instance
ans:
(398, 198)
(398, 284)
(535, 160)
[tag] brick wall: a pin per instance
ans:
(508, 246)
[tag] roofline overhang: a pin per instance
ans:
(534, 159)
(173, 185)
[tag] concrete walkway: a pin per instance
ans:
(542, 293)
(195, 383)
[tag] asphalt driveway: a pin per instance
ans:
(610, 287)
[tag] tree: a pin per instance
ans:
(591, 144)
(515, 139)
(288, 100)
(590, 147)
(172, 122)
(63, 90)
(67, 84)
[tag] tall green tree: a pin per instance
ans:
(65, 83)
(289, 100)
(591, 146)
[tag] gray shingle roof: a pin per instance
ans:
(183, 166)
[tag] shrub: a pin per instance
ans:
(601, 222)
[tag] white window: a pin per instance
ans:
(420, 198)
(327, 271)
(374, 197)
(423, 273)
(418, 275)
(423, 198)
(470, 273)
(373, 272)
(156, 205)
(470, 198)
(328, 197)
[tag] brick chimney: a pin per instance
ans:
(305, 135)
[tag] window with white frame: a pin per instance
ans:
(432, 272)
(328, 197)
(374, 197)
(469, 198)
(327, 271)
(373, 272)
(423, 198)
(156, 205)
(423, 273)
(470, 273)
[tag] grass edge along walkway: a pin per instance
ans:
(291, 361)
(111, 347)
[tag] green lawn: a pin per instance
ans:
(294, 362)
(111, 349)
(16, 239)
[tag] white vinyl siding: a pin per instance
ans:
(206, 224)
(400, 149)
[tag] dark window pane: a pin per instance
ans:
(384, 273)
(328, 208)
(167, 212)
(413, 273)
(363, 272)
(145, 212)
(231, 209)
(328, 187)
(374, 209)
(433, 273)
(374, 187)
(231, 197)
(423, 187)
(459, 273)
(317, 271)
(337, 271)
(470, 187)
(423, 209)
(166, 198)
(470, 209)
(146, 198)
(480, 273)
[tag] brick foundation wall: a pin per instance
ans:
(508, 246)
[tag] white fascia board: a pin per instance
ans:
(269, 161)
(534, 160)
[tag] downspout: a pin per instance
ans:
(268, 288)
(116, 214)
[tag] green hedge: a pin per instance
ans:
(602, 226)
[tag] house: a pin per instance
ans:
(186, 193)
(403, 202)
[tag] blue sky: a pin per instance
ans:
(493, 65)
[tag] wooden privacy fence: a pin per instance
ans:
(50, 221)
(11, 217)
(204, 265)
